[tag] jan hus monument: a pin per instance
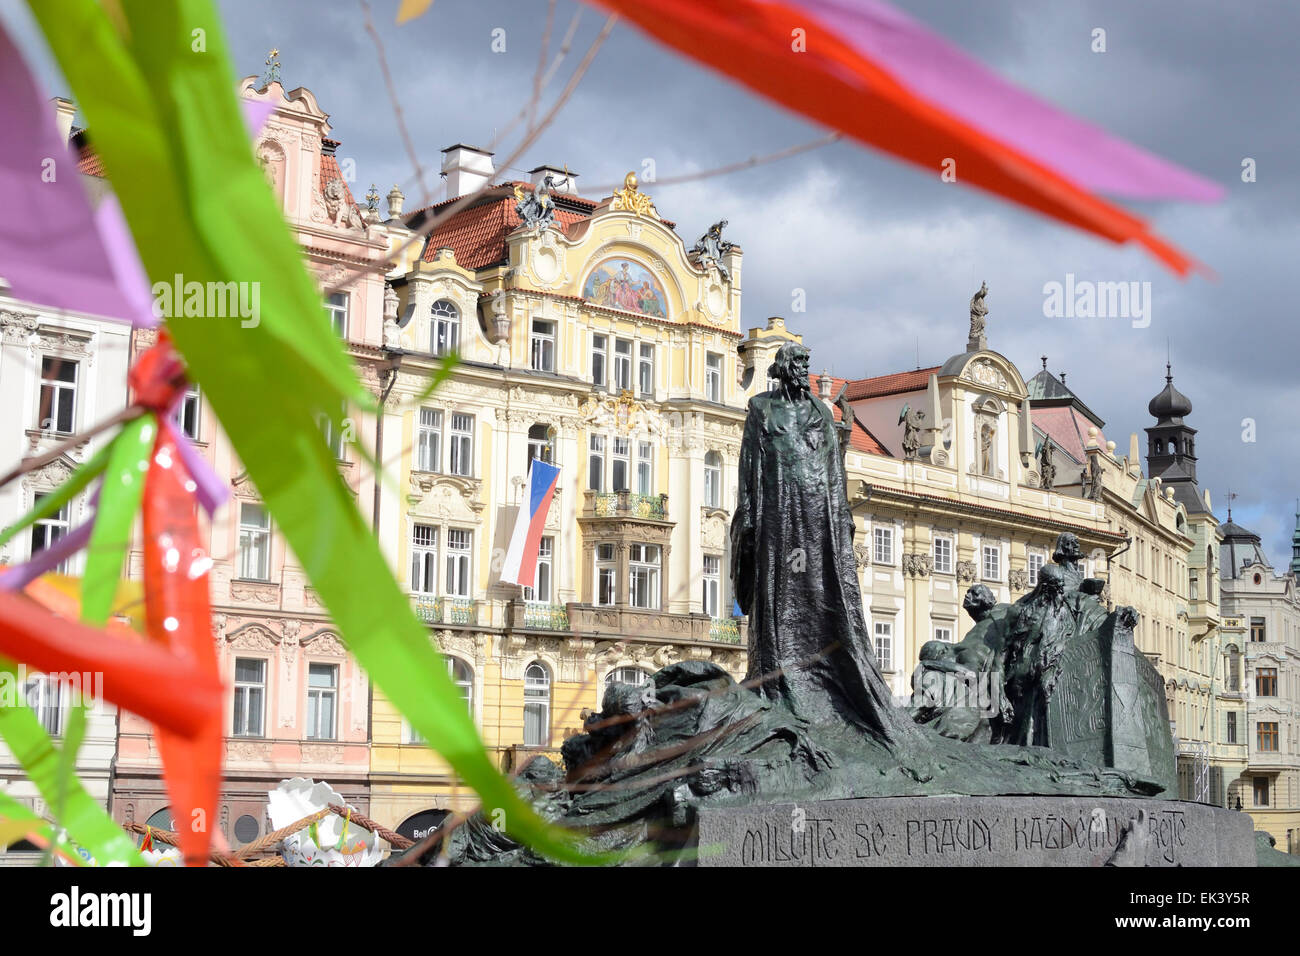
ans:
(1040, 739)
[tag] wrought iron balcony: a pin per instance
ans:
(546, 617)
(612, 504)
(725, 629)
(445, 610)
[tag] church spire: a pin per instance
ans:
(1295, 542)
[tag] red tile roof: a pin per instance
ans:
(329, 171)
(861, 388)
(477, 234)
(860, 438)
(1068, 429)
(88, 162)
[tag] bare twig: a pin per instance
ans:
(63, 447)
(435, 221)
(541, 63)
(397, 106)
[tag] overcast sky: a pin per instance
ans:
(887, 254)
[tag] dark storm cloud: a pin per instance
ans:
(887, 255)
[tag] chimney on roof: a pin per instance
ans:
(64, 111)
(565, 182)
(466, 168)
(824, 386)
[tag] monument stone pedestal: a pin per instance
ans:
(977, 831)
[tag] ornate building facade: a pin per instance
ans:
(59, 374)
(1261, 664)
(298, 705)
(591, 336)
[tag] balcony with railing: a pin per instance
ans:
(538, 615)
(626, 504)
(725, 629)
(445, 610)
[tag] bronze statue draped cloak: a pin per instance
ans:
(794, 572)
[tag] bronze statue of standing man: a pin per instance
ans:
(793, 565)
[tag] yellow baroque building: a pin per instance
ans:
(591, 336)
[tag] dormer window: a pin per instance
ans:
(444, 332)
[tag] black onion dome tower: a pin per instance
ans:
(1171, 445)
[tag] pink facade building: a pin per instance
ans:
(298, 704)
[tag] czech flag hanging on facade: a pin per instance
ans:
(521, 557)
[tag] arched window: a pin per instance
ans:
(628, 675)
(444, 329)
(713, 480)
(159, 820)
(541, 443)
(462, 675)
(537, 705)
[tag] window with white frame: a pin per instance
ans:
(537, 705)
(444, 329)
(712, 584)
(322, 700)
(942, 553)
(943, 633)
(712, 480)
(333, 434)
(884, 545)
(45, 698)
(459, 545)
(645, 468)
(1034, 563)
(58, 404)
(541, 443)
(460, 460)
(713, 377)
(621, 463)
(884, 645)
(541, 587)
(250, 697)
(606, 575)
(462, 675)
(599, 356)
(336, 310)
(428, 440)
(596, 463)
(643, 576)
(992, 562)
(254, 542)
(47, 530)
(543, 346)
(628, 675)
(187, 413)
(622, 364)
(646, 369)
(424, 559)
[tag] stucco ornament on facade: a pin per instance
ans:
(917, 565)
(17, 327)
(986, 373)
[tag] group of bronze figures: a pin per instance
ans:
(1068, 708)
